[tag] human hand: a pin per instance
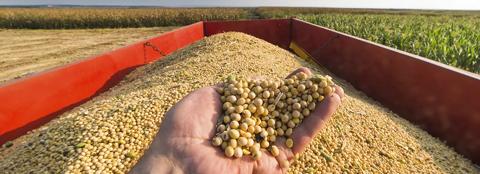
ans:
(183, 143)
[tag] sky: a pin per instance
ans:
(395, 4)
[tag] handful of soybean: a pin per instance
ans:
(257, 112)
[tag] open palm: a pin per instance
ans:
(183, 144)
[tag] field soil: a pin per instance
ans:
(23, 52)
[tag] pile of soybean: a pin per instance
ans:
(110, 133)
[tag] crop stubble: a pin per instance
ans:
(23, 52)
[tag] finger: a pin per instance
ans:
(285, 154)
(339, 91)
(218, 87)
(267, 164)
(301, 69)
(313, 123)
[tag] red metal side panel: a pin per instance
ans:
(441, 99)
(30, 102)
(275, 31)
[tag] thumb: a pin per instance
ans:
(312, 124)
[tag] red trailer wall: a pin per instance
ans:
(32, 101)
(441, 99)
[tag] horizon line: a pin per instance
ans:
(164, 6)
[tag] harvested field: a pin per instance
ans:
(23, 52)
(110, 132)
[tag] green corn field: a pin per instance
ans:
(69, 18)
